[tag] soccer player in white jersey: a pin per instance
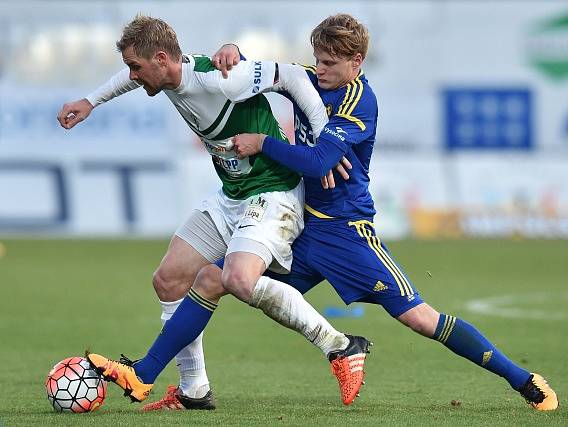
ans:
(252, 220)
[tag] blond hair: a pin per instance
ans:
(341, 35)
(147, 35)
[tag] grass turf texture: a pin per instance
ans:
(59, 297)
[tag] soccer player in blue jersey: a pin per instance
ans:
(339, 241)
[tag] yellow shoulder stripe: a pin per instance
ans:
(350, 101)
(352, 96)
(310, 68)
(317, 213)
(357, 98)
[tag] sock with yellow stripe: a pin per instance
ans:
(465, 340)
(185, 325)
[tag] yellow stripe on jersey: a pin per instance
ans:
(354, 120)
(352, 96)
(317, 213)
(447, 329)
(359, 92)
(375, 244)
(309, 68)
(208, 305)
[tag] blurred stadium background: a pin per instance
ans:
(473, 128)
(472, 143)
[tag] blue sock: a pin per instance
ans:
(187, 322)
(466, 341)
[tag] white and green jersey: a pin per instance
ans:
(217, 109)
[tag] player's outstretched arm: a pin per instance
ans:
(74, 112)
(77, 111)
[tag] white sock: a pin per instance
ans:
(190, 360)
(288, 307)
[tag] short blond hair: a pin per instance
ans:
(148, 35)
(341, 35)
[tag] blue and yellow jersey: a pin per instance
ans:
(352, 126)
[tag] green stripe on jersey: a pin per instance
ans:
(255, 116)
(203, 64)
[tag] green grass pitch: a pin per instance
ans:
(59, 297)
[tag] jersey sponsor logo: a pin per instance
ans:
(215, 148)
(257, 76)
(234, 167)
(329, 109)
(337, 133)
(256, 208)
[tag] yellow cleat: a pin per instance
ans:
(121, 373)
(539, 394)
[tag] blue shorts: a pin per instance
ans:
(354, 261)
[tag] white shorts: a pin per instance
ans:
(265, 224)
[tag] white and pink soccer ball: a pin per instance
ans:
(73, 386)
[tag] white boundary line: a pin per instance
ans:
(534, 306)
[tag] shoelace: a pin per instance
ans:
(533, 394)
(126, 361)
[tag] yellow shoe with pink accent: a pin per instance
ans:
(122, 374)
(539, 394)
(348, 367)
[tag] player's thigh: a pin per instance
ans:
(195, 244)
(359, 267)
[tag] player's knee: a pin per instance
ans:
(208, 283)
(165, 287)
(236, 281)
(422, 326)
(421, 319)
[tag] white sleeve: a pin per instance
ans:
(294, 80)
(117, 85)
(246, 79)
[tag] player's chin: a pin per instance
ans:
(324, 84)
(151, 91)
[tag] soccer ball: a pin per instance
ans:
(73, 386)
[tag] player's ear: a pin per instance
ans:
(161, 57)
(357, 60)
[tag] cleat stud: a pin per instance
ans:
(363, 382)
(358, 395)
